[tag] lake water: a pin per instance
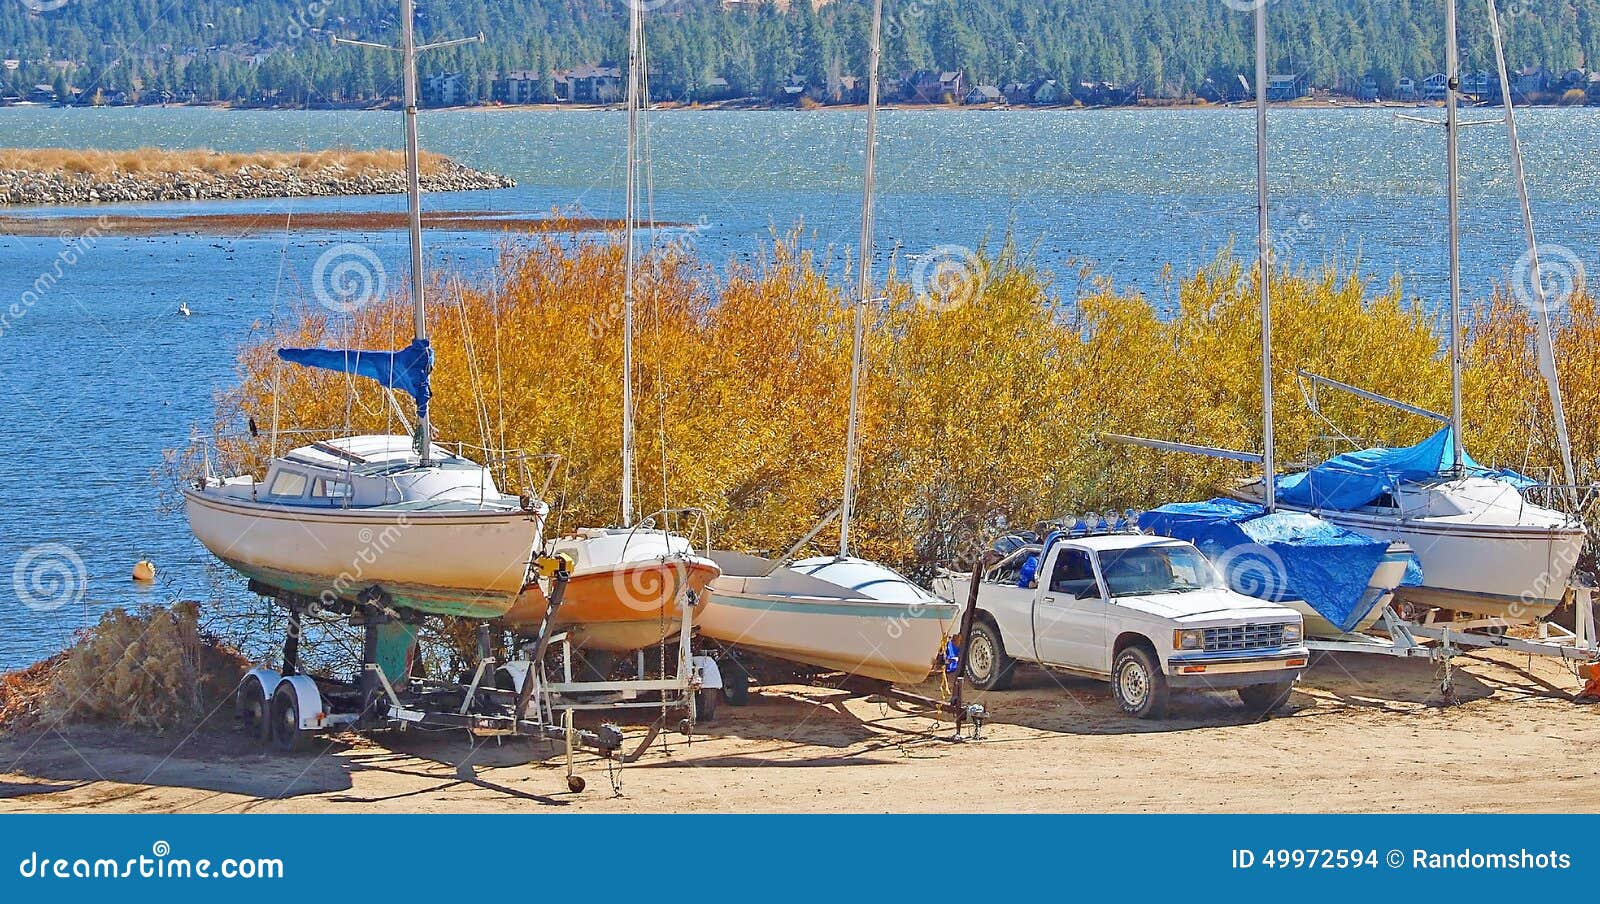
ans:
(101, 374)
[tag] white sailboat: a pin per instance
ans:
(1486, 550)
(842, 612)
(629, 583)
(393, 517)
(1340, 581)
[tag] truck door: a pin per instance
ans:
(1069, 613)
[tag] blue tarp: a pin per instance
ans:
(1356, 479)
(1279, 556)
(407, 369)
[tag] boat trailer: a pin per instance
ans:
(288, 708)
(1442, 641)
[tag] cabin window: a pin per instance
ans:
(288, 483)
(331, 490)
(1074, 575)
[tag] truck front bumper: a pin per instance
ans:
(1232, 670)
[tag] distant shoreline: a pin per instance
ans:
(31, 176)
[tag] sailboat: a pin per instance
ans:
(842, 613)
(628, 583)
(1340, 580)
(1486, 550)
(370, 517)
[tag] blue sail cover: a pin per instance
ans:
(1355, 479)
(407, 369)
(1279, 556)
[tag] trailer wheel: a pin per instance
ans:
(250, 706)
(705, 704)
(985, 660)
(286, 730)
(735, 682)
(1138, 685)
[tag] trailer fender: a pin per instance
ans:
(706, 668)
(313, 714)
(515, 672)
(267, 678)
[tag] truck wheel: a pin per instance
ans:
(987, 665)
(286, 730)
(250, 705)
(1138, 685)
(1266, 698)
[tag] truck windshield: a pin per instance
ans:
(1157, 569)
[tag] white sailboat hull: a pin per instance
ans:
(797, 617)
(469, 564)
(1491, 570)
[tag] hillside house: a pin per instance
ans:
(985, 94)
(928, 87)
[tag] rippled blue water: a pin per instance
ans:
(101, 374)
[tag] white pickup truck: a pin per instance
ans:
(1146, 613)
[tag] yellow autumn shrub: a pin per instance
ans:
(983, 402)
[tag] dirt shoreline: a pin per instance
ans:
(1363, 734)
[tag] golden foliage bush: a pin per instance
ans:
(984, 402)
(153, 670)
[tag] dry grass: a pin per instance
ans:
(154, 670)
(156, 161)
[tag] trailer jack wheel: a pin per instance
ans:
(576, 784)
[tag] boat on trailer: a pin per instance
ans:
(335, 520)
(846, 615)
(1485, 549)
(842, 613)
(630, 583)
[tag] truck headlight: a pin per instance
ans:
(1293, 633)
(1189, 639)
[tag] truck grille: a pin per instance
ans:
(1244, 637)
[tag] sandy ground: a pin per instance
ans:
(1361, 734)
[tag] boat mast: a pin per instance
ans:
(864, 280)
(630, 214)
(408, 55)
(1541, 305)
(1269, 477)
(1452, 127)
(408, 51)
